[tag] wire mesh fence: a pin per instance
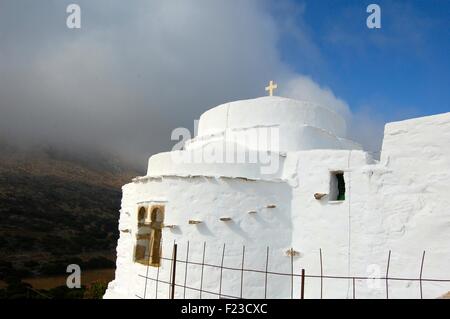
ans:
(296, 277)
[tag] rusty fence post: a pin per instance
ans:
(174, 271)
(203, 268)
(185, 270)
(387, 275)
(353, 282)
(242, 272)
(302, 291)
(421, 271)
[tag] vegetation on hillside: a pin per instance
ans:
(17, 289)
(57, 208)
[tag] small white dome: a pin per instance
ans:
(301, 125)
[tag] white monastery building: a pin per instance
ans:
(271, 186)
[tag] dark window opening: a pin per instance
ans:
(142, 215)
(337, 186)
(157, 218)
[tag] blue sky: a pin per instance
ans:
(398, 71)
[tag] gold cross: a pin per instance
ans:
(272, 86)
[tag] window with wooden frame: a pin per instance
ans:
(147, 250)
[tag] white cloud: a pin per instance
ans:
(363, 126)
(304, 88)
(367, 128)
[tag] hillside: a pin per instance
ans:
(56, 208)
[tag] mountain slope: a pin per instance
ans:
(56, 208)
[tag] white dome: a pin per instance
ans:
(301, 125)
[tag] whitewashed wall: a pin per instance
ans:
(400, 204)
(207, 200)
